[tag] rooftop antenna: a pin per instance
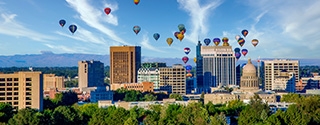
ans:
(31, 69)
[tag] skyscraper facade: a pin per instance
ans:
(199, 68)
(90, 73)
(272, 68)
(125, 62)
(219, 66)
(173, 79)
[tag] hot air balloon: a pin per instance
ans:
(136, 29)
(156, 36)
(225, 39)
(62, 23)
(237, 37)
(189, 75)
(186, 50)
(244, 52)
(216, 41)
(244, 32)
(107, 10)
(188, 68)
(241, 41)
(238, 55)
(73, 28)
(169, 41)
(185, 59)
(180, 36)
(176, 34)
(255, 42)
(237, 49)
(207, 41)
(183, 31)
(195, 59)
(181, 27)
(136, 2)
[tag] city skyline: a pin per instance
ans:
(29, 27)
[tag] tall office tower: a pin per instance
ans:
(22, 90)
(271, 69)
(199, 68)
(90, 73)
(149, 75)
(51, 81)
(238, 74)
(173, 79)
(125, 62)
(219, 66)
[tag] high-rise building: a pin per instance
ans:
(90, 73)
(270, 69)
(51, 81)
(125, 62)
(22, 90)
(219, 66)
(173, 79)
(199, 68)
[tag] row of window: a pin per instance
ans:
(14, 79)
(14, 84)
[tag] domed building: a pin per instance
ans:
(249, 80)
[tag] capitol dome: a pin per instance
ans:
(249, 68)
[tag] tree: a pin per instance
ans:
(176, 96)
(66, 115)
(194, 114)
(149, 97)
(133, 95)
(87, 110)
(65, 98)
(99, 116)
(6, 112)
(26, 116)
(218, 119)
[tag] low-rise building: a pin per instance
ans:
(143, 86)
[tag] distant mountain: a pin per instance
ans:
(49, 59)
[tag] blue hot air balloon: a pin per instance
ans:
(62, 22)
(156, 36)
(73, 28)
(207, 41)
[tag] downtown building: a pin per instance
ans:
(173, 79)
(125, 62)
(90, 73)
(272, 69)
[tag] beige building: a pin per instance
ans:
(22, 90)
(125, 62)
(51, 81)
(249, 80)
(143, 86)
(284, 82)
(90, 73)
(173, 79)
(272, 68)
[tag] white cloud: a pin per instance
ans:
(199, 15)
(94, 18)
(67, 49)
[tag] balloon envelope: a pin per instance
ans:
(136, 2)
(185, 59)
(237, 49)
(107, 10)
(207, 41)
(188, 68)
(225, 39)
(186, 50)
(237, 37)
(181, 27)
(189, 74)
(255, 42)
(169, 41)
(241, 42)
(195, 59)
(238, 55)
(244, 32)
(244, 52)
(176, 34)
(73, 28)
(156, 36)
(216, 41)
(62, 22)
(180, 36)
(136, 29)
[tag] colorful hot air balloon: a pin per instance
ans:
(244, 52)
(237, 37)
(169, 41)
(156, 36)
(183, 31)
(62, 22)
(255, 42)
(237, 55)
(195, 59)
(185, 59)
(188, 68)
(176, 34)
(244, 32)
(207, 41)
(216, 41)
(136, 2)
(241, 41)
(136, 29)
(181, 27)
(180, 36)
(225, 39)
(189, 75)
(73, 28)
(186, 50)
(237, 49)
(107, 10)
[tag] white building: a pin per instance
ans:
(284, 82)
(149, 75)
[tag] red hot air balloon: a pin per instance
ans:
(186, 50)
(244, 52)
(107, 10)
(185, 59)
(225, 39)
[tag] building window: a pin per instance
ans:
(9, 98)
(2, 79)
(16, 89)
(28, 98)
(2, 89)
(9, 84)
(15, 79)
(9, 93)
(2, 84)
(15, 93)
(15, 98)
(28, 103)
(28, 93)
(28, 89)
(9, 89)
(9, 79)
(28, 79)
(2, 98)
(28, 84)
(2, 93)
(16, 84)
(15, 103)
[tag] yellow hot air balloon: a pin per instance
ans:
(169, 41)
(136, 2)
(195, 59)
(255, 42)
(225, 44)
(180, 36)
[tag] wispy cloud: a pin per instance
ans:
(67, 49)
(199, 16)
(146, 44)
(11, 27)
(95, 19)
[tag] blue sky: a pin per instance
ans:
(285, 29)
